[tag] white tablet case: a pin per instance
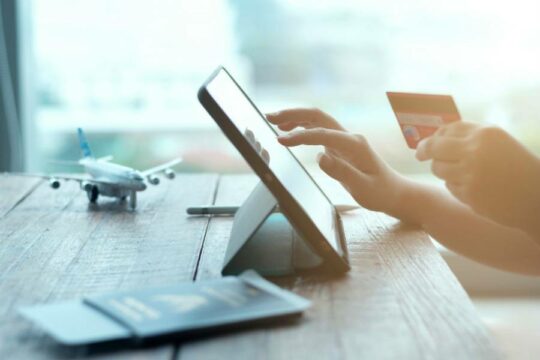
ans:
(264, 240)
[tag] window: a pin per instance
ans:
(128, 70)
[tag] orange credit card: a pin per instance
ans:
(420, 115)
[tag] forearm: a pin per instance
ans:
(460, 229)
(527, 217)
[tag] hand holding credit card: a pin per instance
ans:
(420, 115)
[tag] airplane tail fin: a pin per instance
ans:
(83, 143)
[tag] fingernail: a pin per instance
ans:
(421, 155)
(282, 139)
(421, 150)
(249, 135)
(266, 156)
(324, 160)
(284, 136)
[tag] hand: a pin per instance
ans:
(263, 153)
(348, 158)
(488, 170)
(291, 119)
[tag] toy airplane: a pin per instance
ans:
(109, 179)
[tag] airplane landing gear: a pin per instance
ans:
(93, 194)
(133, 200)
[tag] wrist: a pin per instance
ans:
(410, 201)
(531, 217)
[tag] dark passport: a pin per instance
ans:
(183, 309)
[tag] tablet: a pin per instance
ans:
(300, 199)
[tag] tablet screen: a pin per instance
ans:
(281, 161)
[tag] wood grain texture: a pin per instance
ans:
(232, 190)
(13, 190)
(54, 246)
(399, 301)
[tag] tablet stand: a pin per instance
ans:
(263, 240)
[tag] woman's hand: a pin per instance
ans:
(488, 170)
(348, 158)
(291, 119)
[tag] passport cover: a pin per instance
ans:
(175, 310)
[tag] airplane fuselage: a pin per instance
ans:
(125, 179)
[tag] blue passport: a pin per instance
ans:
(183, 309)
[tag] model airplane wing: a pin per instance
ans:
(162, 167)
(66, 178)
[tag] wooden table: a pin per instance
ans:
(399, 301)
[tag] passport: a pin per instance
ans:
(182, 309)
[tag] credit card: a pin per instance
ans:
(420, 115)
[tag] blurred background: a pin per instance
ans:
(127, 71)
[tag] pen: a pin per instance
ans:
(231, 210)
(212, 210)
